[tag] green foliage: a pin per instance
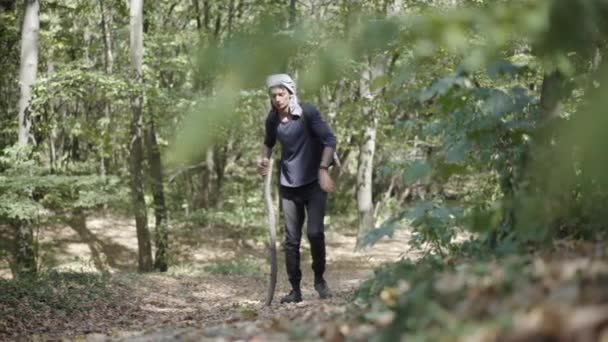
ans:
(418, 170)
(28, 192)
(435, 224)
(24, 197)
(235, 268)
(430, 299)
(58, 291)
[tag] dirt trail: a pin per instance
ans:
(187, 304)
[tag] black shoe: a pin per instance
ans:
(322, 289)
(293, 297)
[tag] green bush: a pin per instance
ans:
(66, 292)
(235, 267)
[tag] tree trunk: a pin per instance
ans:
(203, 194)
(218, 24)
(106, 26)
(136, 148)
(29, 65)
(239, 9)
(53, 131)
(197, 14)
(374, 68)
(87, 42)
(160, 209)
(292, 14)
(365, 202)
(25, 253)
(206, 179)
(206, 15)
(219, 163)
(231, 11)
(551, 94)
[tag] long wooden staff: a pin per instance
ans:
(272, 229)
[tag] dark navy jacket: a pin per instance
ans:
(301, 146)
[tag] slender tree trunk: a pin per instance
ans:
(220, 167)
(106, 26)
(292, 13)
(239, 9)
(29, 66)
(367, 149)
(197, 15)
(53, 149)
(206, 15)
(87, 42)
(231, 11)
(160, 209)
(377, 66)
(218, 24)
(136, 148)
(52, 113)
(365, 202)
(25, 252)
(551, 94)
(205, 191)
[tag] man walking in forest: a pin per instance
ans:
(307, 150)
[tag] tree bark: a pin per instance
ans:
(25, 252)
(231, 11)
(29, 66)
(206, 15)
(136, 148)
(106, 26)
(365, 202)
(158, 192)
(206, 179)
(219, 164)
(197, 14)
(377, 66)
(53, 131)
(218, 24)
(374, 68)
(551, 94)
(239, 9)
(292, 14)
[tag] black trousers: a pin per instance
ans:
(308, 200)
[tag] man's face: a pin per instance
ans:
(279, 97)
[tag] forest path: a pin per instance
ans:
(216, 290)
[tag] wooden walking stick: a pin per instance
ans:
(272, 230)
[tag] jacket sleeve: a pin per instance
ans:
(270, 134)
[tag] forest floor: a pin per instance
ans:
(216, 290)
